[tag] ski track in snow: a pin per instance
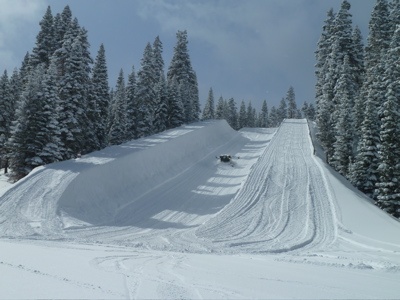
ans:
(168, 194)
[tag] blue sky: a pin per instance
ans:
(245, 49)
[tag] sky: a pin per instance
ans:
(247, 50)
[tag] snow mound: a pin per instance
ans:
(93, 189)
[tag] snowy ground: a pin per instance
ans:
(160, 217)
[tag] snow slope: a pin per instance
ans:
(161, 217)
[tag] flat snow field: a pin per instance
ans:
(162, 218)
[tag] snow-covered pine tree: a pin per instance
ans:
(291, 103)
(29, 137)
(274, 117)
(45, 41)
(181, 70)
(282, 110)
(264, 122)
(388, 192)
(242, 119)
(145, 93)
(73, 68)
(220, 111)
(364, 174)
(6, 115)
(161, 105)
(209, 107)
(117, 133)
(101, 96)
(324, 48)
(343, 145)
(232, 116)
(175, 116)
(251, 118)
(62, 23)
(377, 43)
(132, 108)
(158, 61)
(50, 134)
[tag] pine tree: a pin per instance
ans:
(364, 173)
(342, 148)
(73, 91)
(291, 103)
(6, 115)
(220, 111)
(324, 48)
(175, 116)
(45, 41)
(132, 108)
(388, 193)
(34, 139)
(274, 118)
(209, 109)
(242, 119)
(282, 110)
(101, 96)
(180, 69)
(145, 93)
(264, 122)
(232, 116)
(50, 134)
(62, 23)
(250, 116)
(161, 105)
(117, 133)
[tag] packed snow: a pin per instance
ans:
(162, 218)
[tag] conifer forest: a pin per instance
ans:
(58, 104)
(358, 101)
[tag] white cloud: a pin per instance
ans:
(17, 18)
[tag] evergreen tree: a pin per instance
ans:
(45, 41)
(117, 133)
(209, 110)
(101, 96)
(158, 61)
(50, 135)
(388, 193)
(62, 23)
(342, 148)
(274, 117)
(181, 70)
(145, 93)
(132, 108)
(324, 48)
(35, 135)
(264, 123)
(220, 110)
(250, 116)
(232, 116)
(161, 107)
(282, 110)
(73, 92)
(175, 116)
(291, 103)
(6, 115)
(242, 120)
(364, 171)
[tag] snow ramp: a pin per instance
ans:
(116, 186)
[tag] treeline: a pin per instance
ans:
(58, 104)
(248, 116)
(358, 101)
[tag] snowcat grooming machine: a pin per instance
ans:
(226, 158)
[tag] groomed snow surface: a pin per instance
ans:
(162, 218)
